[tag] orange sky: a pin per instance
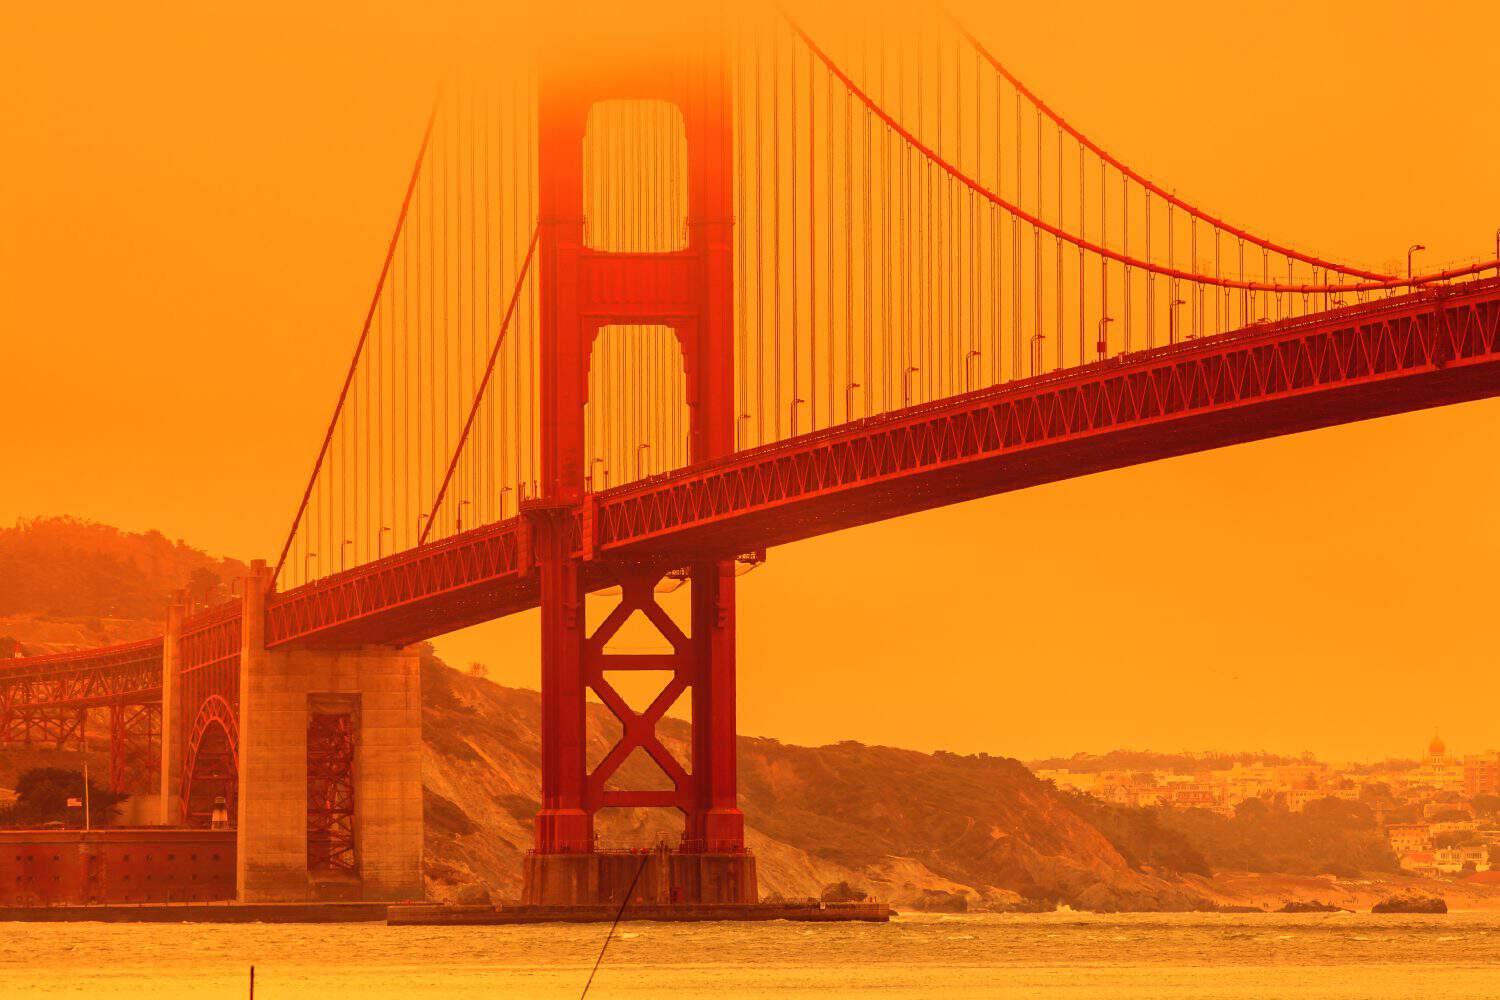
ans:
(197, 199)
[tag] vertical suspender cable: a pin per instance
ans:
(359, 344)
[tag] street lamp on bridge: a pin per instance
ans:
(1172, 319)
(1414, 248)
(971, 362)
(796, 403)
(849, 399)
(906, 384)
(1103, 345)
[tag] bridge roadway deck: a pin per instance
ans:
(1429, 348)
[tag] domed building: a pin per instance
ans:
(1439, 770)
(1437, 750)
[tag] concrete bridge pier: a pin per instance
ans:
(330, 784)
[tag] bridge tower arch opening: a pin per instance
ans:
(210, 769)
(637, 418)
(678, 277)
(635, 183)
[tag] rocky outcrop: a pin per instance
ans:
(1111, 897)
(473, 894)
(1261, 891)
(1309, 906)
(842, 892)
(939, 901)
(1411, 902)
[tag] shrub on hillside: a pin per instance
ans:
(1140, 835)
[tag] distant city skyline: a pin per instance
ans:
(1227, 752)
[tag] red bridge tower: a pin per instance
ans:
(689, 289)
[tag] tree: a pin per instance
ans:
(1457, 838)
(477, 669)
(1377, 793)
(42, 795)
(1329, 836)
(1486, 805)
(1450, 816)
(204, 585)
(1140, 834)
(68, 567)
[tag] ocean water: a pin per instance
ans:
(1065, 955)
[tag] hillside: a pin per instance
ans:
(901, 823)
(66, 582)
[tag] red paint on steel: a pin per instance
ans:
(330, 792)
(582, 290)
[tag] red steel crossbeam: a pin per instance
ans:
(211, 643)
(134, 747)
(55, 728)
(330, 792)
(638, 729)
(114, 675)
(481, 574)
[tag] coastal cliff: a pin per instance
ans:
(909, 827)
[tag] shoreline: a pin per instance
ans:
(1269, 891)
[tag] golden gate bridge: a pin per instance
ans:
(656, 303)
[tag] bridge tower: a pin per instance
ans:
(583, 289)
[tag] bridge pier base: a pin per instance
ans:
(661, 876)
(330, 785)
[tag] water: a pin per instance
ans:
(1064, 955)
